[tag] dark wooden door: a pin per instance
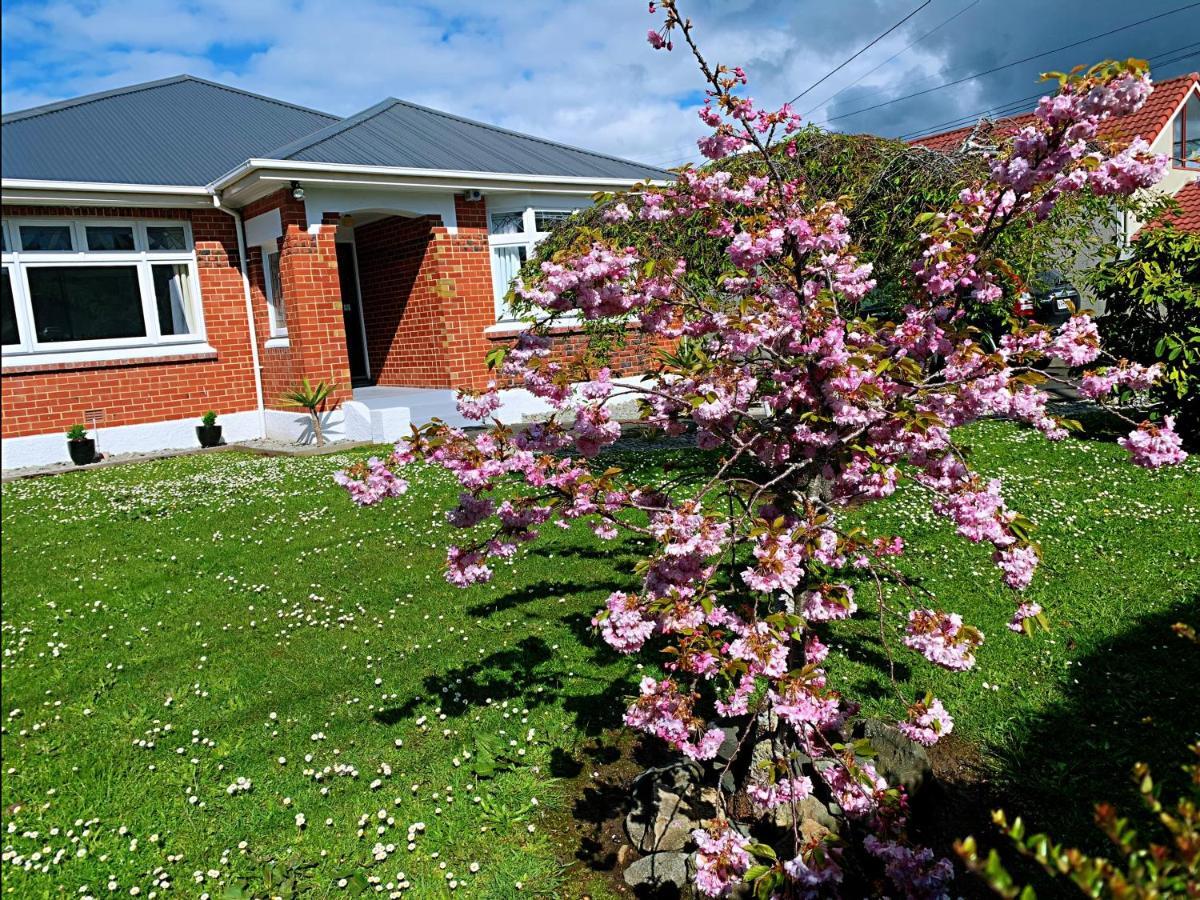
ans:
(356, 348)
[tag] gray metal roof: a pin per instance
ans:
(181, 131)
(404, 135)
(188, 131)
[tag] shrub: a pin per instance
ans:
(77, 433)
(209, 419)
(1169, 867)
(1153, 318)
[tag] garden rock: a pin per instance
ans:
(667, 806)
(898, 760)
(660, 870)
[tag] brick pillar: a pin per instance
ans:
(464, 287)
(308, 274)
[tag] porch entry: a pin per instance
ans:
(352, 315)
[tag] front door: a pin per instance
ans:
(352, 314)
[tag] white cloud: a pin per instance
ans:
(578, 72)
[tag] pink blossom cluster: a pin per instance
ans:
(722, 858)
(370, 483)
(928, 722)
(1153, 446)
(942, 638)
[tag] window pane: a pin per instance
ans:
(8, 314)
(173, 296)
(544, 219)
(46, 237)
(508, 223)
(1187, 134)
(278, 310)
(506, 263)
(166, 237)
(110, 237)
(85, 303)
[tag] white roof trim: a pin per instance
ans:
(33, 184)
(426, 176)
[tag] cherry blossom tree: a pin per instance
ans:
(806, 404)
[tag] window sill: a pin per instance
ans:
(103, 359)
(277, 342)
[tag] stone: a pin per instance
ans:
(625, 855)
(728, 745)
(659, 870)
(899, 760)
(815, 818)
(667, 807)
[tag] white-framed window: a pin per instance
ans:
(512, 235)
(276, 309)
(98, 284)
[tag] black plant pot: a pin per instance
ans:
(82, 451)
(209, 435)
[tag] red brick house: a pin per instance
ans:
(180, 245)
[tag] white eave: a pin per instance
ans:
(91, 193)
(259, 176)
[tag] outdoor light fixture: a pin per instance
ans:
(474, 196)
(297, 191)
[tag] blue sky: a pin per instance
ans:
(580, 71)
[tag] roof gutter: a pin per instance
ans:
(239, 228)
(43, 191)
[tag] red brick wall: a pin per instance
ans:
(402, 312)
(427, 298)
(46, 399)
(637, 355)
(308, 272)
(465, 283)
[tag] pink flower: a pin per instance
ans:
(1077, 342)
(622, 624)
(1018, 563)
(856, 792)
(478, 406)
(721, 859)
(927, 723)
(942, 638)
(1153, 446)
(1024, 611)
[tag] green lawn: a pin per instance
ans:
(173, 626)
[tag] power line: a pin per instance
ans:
(870, 72)
(1014, 105)
(860, 52)
(1008, 65)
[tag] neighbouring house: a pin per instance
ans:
(1169, 122)
(181, 245)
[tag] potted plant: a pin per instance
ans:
(81, 447)
(313, 399)
(208, 431)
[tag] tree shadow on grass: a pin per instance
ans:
(1133, 699)
(528, 671)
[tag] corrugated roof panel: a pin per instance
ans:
(188, 131)
(404, 135)
(183, 131)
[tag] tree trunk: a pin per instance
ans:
(317, 428)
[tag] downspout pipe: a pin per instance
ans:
(239, 228)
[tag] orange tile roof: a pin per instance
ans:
(1146, 122)
(1188, 217)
